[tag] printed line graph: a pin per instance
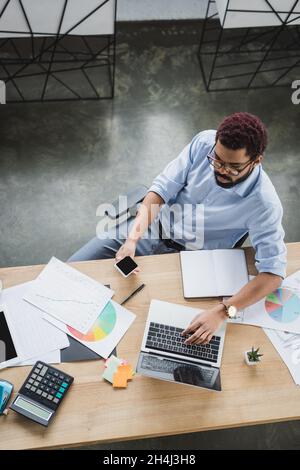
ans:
(66, 300)
(68, 295)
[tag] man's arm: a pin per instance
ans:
(205, 324)
(164, 187)
(267, 238)
(147, 212)
(255, 290)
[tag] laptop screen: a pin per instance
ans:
(174, 370)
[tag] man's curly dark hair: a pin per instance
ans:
(243, 130)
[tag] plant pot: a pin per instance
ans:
(250, 363)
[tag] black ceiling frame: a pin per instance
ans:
(47, 51)
(211, 52)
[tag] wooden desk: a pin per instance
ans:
(95, 412)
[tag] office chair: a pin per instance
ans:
(129, 207)
(133, 198)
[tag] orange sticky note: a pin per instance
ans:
(123, 373)
(119, 380)
(126, 369)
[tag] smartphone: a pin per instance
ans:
(126, 266)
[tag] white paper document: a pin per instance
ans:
(293, 282)
(288, 347)
(110, 326)
(280, 310)
(52, 357)
(68, 295)
(32, 335)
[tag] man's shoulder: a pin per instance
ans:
(266, 194)
(202, 143)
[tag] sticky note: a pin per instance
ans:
(109, 374)
(126, 370)
(113, 360)
(117, 371)
(120, 381)
(123, 374)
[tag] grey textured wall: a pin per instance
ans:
(138, 10)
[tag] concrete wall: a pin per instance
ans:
(140, 10)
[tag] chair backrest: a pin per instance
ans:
(126, 203)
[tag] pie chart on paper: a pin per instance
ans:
(283, 305)
(102, 327)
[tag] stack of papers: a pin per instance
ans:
(33, 338)
(62, 302)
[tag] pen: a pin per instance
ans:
(133, 293)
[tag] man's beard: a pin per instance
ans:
(230, 183)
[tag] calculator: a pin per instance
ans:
(42, 393)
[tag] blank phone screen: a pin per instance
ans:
(127, 265)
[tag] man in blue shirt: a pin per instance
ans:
(214, 193)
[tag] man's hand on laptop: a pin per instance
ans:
(127, 249)
(204, 325)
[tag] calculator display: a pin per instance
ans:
(32, 408)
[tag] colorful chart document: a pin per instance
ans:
(108, 329)
(280, 310)
(283, 305)
(68, 295)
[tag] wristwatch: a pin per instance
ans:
(231, 310)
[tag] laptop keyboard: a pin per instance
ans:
(168, 338)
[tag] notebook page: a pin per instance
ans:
(231, 270)
(198, 274)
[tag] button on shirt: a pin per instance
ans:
(202, 215)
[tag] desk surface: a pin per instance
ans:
(95, 412)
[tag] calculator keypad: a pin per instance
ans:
(46, 385)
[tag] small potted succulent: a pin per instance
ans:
(252, 357)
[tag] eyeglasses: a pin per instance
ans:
(217, 163)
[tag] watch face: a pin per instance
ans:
(232, 311)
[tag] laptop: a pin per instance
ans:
(164, 355)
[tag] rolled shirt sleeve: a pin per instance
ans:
(267, 238)
(173, 178)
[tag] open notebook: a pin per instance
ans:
(213, 273)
